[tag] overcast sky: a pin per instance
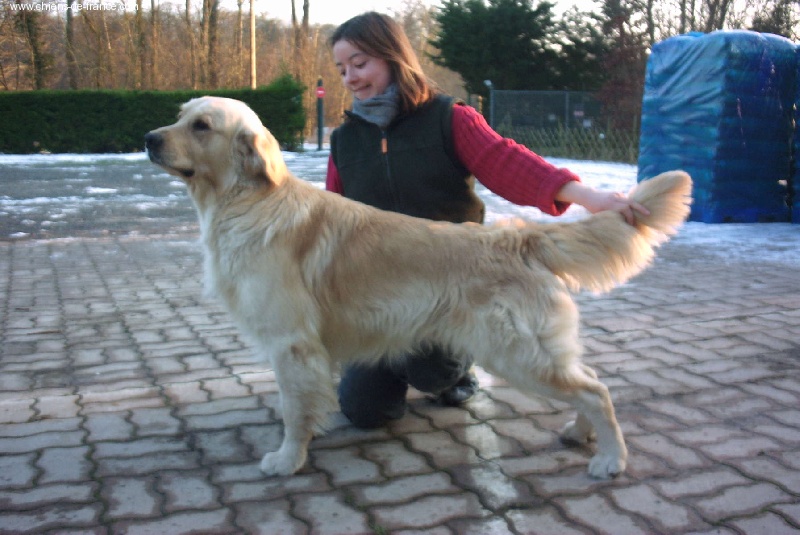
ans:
(338, 11)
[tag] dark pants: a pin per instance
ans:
(372, 394)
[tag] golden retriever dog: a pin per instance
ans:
(315, 279)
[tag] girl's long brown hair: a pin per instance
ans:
(381, 37)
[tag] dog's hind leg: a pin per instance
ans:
(545, 359)
(304, 376)
(579, 431)
(595, 417)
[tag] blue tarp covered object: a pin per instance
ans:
(720, 106)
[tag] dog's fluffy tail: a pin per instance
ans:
(603, 251)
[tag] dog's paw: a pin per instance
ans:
(574, 434)
(282, 462)
(606, 466)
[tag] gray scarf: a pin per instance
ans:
(381, 109)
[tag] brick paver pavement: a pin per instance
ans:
(129, 404)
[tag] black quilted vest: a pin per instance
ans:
(410, 167)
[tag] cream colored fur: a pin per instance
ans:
(315, 279)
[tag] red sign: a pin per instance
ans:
(320, 92)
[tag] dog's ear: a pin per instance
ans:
(259, 157)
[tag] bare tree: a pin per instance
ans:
(253, 81)
(238, 38)
(300, 33)
(211, 54)
(153, 59)
(30, 24)
(72, 62)
(716, 13)
(192, 43)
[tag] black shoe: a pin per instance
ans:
(461, 392)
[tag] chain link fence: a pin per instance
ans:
(562, 124)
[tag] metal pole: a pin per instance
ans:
(491, 107)
(320, 113)
(490, 85)
(253, 82)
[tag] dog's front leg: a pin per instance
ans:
(304, 377)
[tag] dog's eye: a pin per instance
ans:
(200, 126)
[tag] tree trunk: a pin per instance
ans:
(192, 44)
(211, 57)
(239, 44)
(152, 71)
(30, 24)
(253, 82)
(141, 47)
(72, 62)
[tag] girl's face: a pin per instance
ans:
(364, 75)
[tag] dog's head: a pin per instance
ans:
(216, 144)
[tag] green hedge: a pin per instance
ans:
(116, 121)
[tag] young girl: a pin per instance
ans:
(406, 148)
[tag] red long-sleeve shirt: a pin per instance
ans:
(505, 167)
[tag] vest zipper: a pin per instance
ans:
(385, 153)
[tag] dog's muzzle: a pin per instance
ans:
(152, 144)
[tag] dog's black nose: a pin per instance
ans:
(153, 141)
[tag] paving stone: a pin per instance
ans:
(131, 498)
(708, 482)
(542, 520)
(149, 464)
(521, 403)
(64, 465)
(227, 420)
(429, 511)
(790, 512)
(525, 432)
(57, 406)
(494, 488)
(222, 447)
(41, 441)
(668, 516)
(546, 462)
(404, 489)
(183, 490)
(139, 448)
(598, 513)
(345, 466)
(17, 471)
(16, 410)
(43, 495)
(219, 406)
(187, 392)
(766, 523)
(108, 426)
(442, 449)
(60, 517)
(120, 399)
(660, 446)
(740, 447)
(156, 421)
(742, 500)
(259, 488)
(39, 427)
(487, 443)
(272, 517)
(394, 458)
(216, 521)
(763, 468)
(330, 514)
